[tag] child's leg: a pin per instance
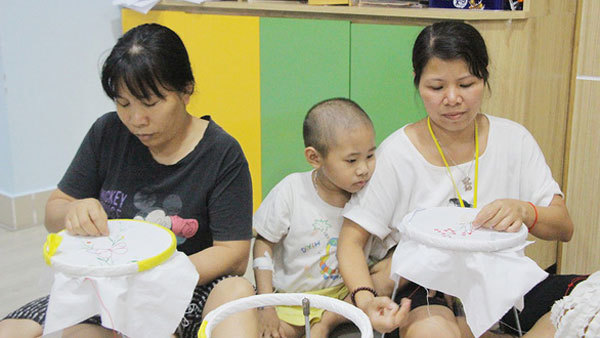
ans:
(292, 331)
(329, 321)
(270, 325)
(242, 324)
(380, 274)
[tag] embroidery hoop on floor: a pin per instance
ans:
(451, 228)
(124, 251)
(354, 314)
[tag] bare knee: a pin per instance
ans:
(89, 331)
(227, 290)
(234, 288)
(10, 328)
(433, 321)
(434, 326)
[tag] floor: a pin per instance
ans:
(23, 274)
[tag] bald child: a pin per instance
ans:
(299, 221)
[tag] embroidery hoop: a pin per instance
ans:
(432, 241)
(451, 228)
(109, 256)
(354, 314)
(113, 275)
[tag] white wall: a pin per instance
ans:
(50, 93)
(5, 167)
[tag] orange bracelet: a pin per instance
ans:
(535, 219)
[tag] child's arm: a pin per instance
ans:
(263, 276)
(385, 315)
(268, 321)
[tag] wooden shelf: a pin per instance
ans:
(297, 9)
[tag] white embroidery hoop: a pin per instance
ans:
(354, 314)
(439, 250)
(124, 251)
(451, 228)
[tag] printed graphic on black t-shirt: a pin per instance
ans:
(206, 196)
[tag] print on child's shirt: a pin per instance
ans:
(328, 265)
(165, 214)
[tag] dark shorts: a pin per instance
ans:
(538, 301)
(189, 326)
(420, 296)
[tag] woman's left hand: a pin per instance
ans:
(502, 215)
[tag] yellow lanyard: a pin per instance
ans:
(462, 204)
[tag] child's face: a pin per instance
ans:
(351, 159)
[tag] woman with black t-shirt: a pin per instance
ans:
(152, 160)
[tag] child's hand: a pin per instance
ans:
(268, 323)
(386, 315)
(86, 217)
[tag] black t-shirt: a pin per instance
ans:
(206, 195)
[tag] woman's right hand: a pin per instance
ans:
(268, 324)
(386, 315)
(86, 217)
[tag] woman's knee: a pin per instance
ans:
(435, 326)
(10, 328)
(438, 322)
(233, 288)
(227, 290)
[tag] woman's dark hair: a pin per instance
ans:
(144, 58)
(450, 40)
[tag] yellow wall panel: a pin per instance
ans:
(172, 19)
(224, 53)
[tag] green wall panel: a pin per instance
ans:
(381, 75)
(301, 63)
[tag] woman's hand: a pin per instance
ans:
(268, 323)
(385, 314)
(504, 215)
(86, 217)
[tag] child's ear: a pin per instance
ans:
(313, 157)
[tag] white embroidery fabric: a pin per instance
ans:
(487, 270)
(99, 275)
(578, 314)
(118, 254)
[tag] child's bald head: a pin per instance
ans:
(325, 119)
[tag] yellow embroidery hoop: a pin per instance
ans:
(59, 247)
